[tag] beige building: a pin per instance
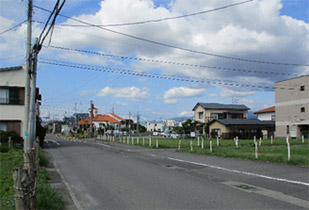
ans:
(205, 112)
(12, 99)
(292, 107)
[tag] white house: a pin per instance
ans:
(267, 114)
(154, 126)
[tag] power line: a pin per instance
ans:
(176, 47)
(164, 19)
(157, 76)
(14, 27)
(171, 62)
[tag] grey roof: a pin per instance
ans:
(244, 122)
(222, 106)
(11, 68)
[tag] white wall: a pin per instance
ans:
(265, 116)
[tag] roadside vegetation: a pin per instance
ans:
(47, 197)
(275, 153)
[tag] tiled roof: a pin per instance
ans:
(117, 117)
(269, 109)
(105, 118)
(222, 106)
(244, 122)
(86, 121)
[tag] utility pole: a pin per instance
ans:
(137, 122)
(28, 70)
(32, 117)
(129, 122)
(91, 117)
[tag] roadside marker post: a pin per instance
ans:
(271, 140)
(210, 146)
(302, 139)
(256, 150)
(191, 146)
(128, 140)
(157, 144)
(202, 143)
(218, 141)
(137, 140)
(260, 142)
(289, 148)
(179, 144)
(198, 141)
(149, 141)
(143, 141)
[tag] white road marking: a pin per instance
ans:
(241, 172)
(270, 193)
(67, 185)
(55, 142)
(103, 145)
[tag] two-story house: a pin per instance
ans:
(12, 99)
(205, 112)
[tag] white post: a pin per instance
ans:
(150, 141)
(289, 148)
(202, 143)
(254, 140)
(191, 146)
(218, 141)
(128, 139)
(179, 144)
(271, 140)
(260, 142)
(302, 139)
(157, 144)
(143, 141)
(289, 151)
(132, 140)
(256, 151)
(210, 146)
(137, 140)
(236, 141)
(198, 141)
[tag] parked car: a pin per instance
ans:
(174, 136)
(163, 134)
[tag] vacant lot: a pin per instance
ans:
(276, 152)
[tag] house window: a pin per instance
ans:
(287, 129)
(200, 115)
(4, 96)
(302, 88)
(302, 109)
(273, 117)
(12, 95)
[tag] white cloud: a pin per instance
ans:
(171, 95)
(87, 92)
(131, 93)
(186, 114)
(212, 95)
(249, 102)
(233, 93)
(121, 103)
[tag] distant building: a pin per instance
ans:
(267, 114)
(154, 126)
(292, 107)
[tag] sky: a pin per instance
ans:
(233, 53)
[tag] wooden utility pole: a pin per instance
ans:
(91, 118)
(28, 70)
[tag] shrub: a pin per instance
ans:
(16, 138)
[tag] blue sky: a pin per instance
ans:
(248, 35)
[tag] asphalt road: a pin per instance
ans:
(128, 177)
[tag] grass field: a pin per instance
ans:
(47, 198)
(276, 152)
